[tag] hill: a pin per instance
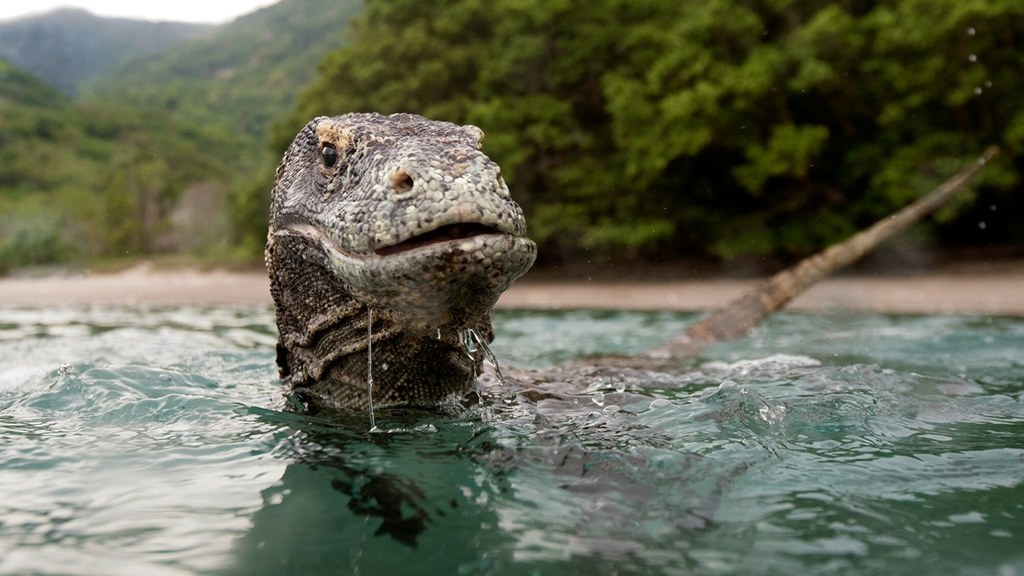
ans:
(20, 87)
(149, 158)
(238, 81)
(70, 47)
(244, 75)
(80, 180)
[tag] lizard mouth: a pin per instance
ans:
(447, 276)
(444, 233)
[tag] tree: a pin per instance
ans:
(727, 127)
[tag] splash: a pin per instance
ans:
(369, 365)
(474, 344)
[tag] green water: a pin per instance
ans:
(157, 441)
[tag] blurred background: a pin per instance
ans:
(717, 133)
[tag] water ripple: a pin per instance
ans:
(157, 440)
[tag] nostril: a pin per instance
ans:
(401, 181)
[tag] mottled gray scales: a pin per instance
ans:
(398, 214)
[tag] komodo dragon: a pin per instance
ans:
(391, 239)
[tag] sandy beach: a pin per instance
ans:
(986, 290)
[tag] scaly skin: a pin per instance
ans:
(401, 215)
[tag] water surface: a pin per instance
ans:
(157, 441)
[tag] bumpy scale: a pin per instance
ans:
(404, 216)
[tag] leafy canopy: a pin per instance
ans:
(724, 126)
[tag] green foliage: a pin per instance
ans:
(727, 127)
(248, 205)
(235, 83)
(78, 181)
(33, 234)
(240, 78)
(20, 87)
(117, 172)
(789, 151)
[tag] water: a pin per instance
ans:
(157, 441)
(369, 367)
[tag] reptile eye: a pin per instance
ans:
(330, 155)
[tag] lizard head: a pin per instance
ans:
(407, 214)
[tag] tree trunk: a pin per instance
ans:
(735, 319)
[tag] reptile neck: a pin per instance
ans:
(324, 333)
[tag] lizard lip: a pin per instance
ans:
(441, 234)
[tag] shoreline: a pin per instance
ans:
(995, 292)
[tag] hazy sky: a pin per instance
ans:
(207, 11)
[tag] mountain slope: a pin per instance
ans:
(80, 180)
(20, 87)
(70, 47)
(152, 157)
(244, 76)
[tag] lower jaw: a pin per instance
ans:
(445, 285)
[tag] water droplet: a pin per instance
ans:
(469, 342)
(612, 409)
(772, 415)
(598, 398)
(473, 343)
(659, 403)
(981, 225)
(972, 58)
(988, 83)
(620, 387)
(383, 366)
(369, 366)
(977, 90)
(992, 207)
(970, 31)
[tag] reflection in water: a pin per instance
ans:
(449, 494)
(349, 500)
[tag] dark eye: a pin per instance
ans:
(330, 155)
